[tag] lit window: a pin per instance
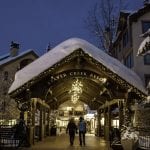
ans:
(145, 26)
(115, 123)
(102, 121)
(147, 59)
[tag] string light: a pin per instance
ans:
(76, 90)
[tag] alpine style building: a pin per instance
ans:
(9, 64)
(125, 47)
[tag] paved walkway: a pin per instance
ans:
(61, 142)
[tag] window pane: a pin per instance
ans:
(147, 79)
(147, 59)
(145, 26)
(128, 61)
(25, 62)
(125, 38)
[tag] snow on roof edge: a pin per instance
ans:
(15, 57)
(142, 46)
(66, 48)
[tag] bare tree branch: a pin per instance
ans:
(102, 21)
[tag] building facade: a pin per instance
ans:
(77, 69)
(131, 25)
(9, 64)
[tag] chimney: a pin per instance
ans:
(14, 49)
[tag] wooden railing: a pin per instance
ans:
(144, 142)
(144, 138)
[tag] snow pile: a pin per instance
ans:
(148, 99)
(129, 133)
(142, 48)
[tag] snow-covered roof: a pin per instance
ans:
(141, 11)
(127, 11)
(2, 57)
(142, 48)
(7, 57)
(66, 48)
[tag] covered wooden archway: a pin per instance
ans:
(105, 80)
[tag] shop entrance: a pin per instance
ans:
(69, 110)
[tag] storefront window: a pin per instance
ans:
(115, 123)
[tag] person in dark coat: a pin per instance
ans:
(82, 131)
(22, 133)
(72, 128)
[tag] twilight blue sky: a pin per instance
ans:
(35, 23)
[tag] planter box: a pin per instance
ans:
(128, 144)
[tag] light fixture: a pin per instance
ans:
(103, 80)
(102, 121)
(75, 91)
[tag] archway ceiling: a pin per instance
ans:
(95, 93)
(60, 92)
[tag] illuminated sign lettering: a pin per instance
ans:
(77, 73)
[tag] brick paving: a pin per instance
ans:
(61, 142)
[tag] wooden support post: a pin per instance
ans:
(127, 115)
(121, 117)
(31, 122)
(109, 122)
(33, 117)
(99, 123)
(48, 122)
(41, 123)
(107, 116)
(44, 120)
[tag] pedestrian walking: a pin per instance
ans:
(22, 134)
(82, 131)
(72, 128)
